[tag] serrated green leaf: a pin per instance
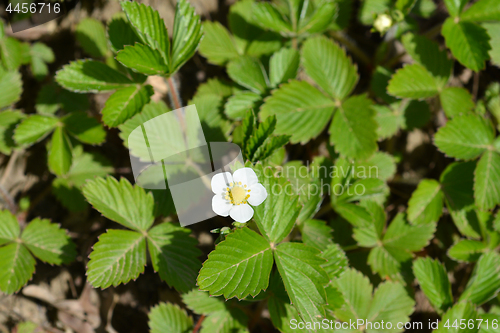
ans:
(484, 283)
(60, 156)
(143, 59)
(48, 242)
(16, 267)
(357, 292)
(487, 180)
(402, 235)
(380, 165)
(482, 11)
(413, 81)
(232, 321)
(9, 228)
(42, 52)
(353, 129)
(464, 137)
(125, 103)
(426, 203)
(467, 250)
(202, 303)
(239, 266)
(493, 29)
(34, 129)
(8, 122)
(149, 27)
(320, 19)
(168, 317)
(121, 202)
(217, 44)
(316, 233)
(456, 101)
(455, 7)
(328, 65)
(239, 103)
(336, 261)
(301, 110)
(468, 42)
(86, 129)
(87, 165)
(283, 66)
(427, 53)
(121, 33)
(174, 255)
(187, 34)
(249, 73)
(268, 17)
(276, 216)
(304, 278)
(11, 51)
(91, 35)
(91, 76)
(433, 280)
(118, 257)
(11, 88)
(461, 311)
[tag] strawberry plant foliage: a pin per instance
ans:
(372, 133)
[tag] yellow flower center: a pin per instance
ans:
(237, 193)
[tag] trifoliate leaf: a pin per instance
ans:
(109, 197)
(328, 65)
(238, 104)
(143, 59)
(118, 257)
(300, 268)
(353, 129)
(34, 129)
(48, 242)
(268, 17)
(249, 73)
(202, 303)
(60, 156)
(276, 216)
(174, 255)
(125, 103)
(16, 267)
(167, 317)
(482, 11)
(487, 180)
(301, 110)
(426, 203)
(427, 53)
(8, 122)
(239, 266)
(413, 81)
(11, 88)
(91, 35)
(316, 233)
(9, 228)
(121, 33)
(464, 137)
(484, 283)
(467, 250)
(217, 44)
(187, 34)
(149, 26)
(456, 101)
(86, 129)
(455, 7)
(283, 66)
(460, 312)
(91, 76)
(468, 42)
(433, 280)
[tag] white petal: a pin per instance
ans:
(241, 213)
(258, 194)
(220, 182)
(246, 176)
(221, 206)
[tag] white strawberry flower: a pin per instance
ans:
(234, 193)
